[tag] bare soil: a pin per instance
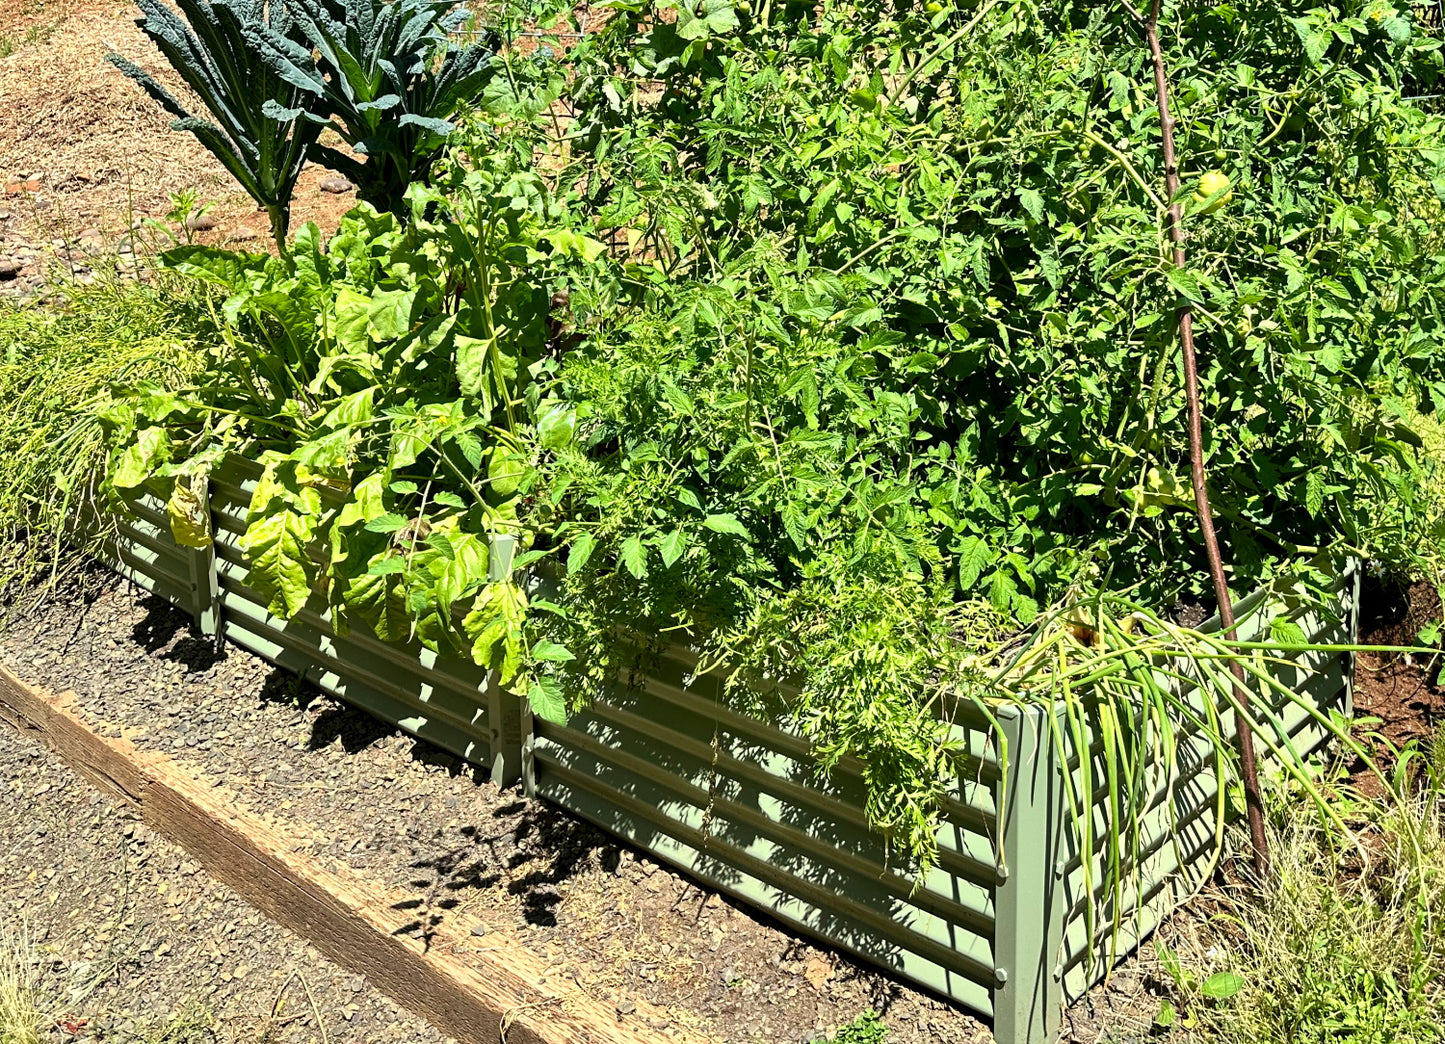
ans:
(1398, 695)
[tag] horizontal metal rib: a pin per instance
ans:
(243, 607)
(971, 907)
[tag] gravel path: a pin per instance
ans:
(622, 926)
(133, 943)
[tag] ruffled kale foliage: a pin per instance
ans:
(258, 134)
(387, 77)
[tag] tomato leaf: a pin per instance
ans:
(726, 523)
(634, 556)
(547, 702)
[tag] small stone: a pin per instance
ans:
(626, 1008)
(242, 235)
(202, 222)
(817, 971)
(479, 930)
(336, 186)
(9, 269)
(16, 188)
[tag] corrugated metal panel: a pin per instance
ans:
(999, 925)
(444, 700)
(742, 804)
(142, 550)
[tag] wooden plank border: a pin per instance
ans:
(505, 994)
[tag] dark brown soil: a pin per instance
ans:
(621, 925)
(1401, 690)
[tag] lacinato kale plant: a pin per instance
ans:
(257, 134)
(387, 76)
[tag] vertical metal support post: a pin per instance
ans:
(205, 581)
(1028, 996)
(529, 747)
(1350, 594)
(504, 709)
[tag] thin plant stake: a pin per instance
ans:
(1249, 768)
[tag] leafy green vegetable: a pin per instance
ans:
(385, 75)
(259, 135)
(391, 454)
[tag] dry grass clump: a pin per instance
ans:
(57, 363)
(1344, 943)
(20, 1017)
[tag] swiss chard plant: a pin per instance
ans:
(387, 381)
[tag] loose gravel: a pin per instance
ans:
(131, 942)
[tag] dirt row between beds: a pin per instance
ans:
(128, 941)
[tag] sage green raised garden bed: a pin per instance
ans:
(998, 926)
(1000, 929)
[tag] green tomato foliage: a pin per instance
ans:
(896, 303)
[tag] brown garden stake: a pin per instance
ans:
(1249, 768)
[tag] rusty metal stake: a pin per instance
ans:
(1249, 768)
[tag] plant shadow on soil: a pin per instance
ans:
(528, 847)
(527, 850)
(169, 633)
